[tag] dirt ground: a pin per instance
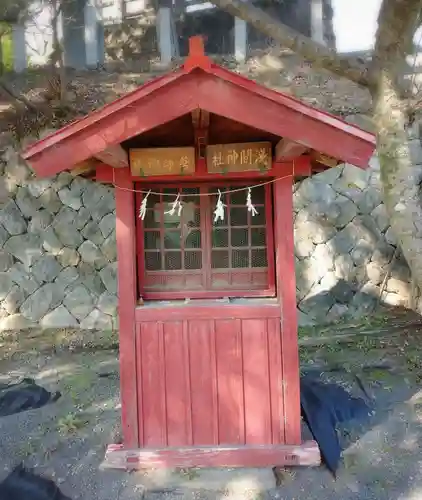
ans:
(382, 460)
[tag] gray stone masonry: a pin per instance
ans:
(58, 248)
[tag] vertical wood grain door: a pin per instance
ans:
(210, 382)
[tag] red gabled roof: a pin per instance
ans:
(200, 84)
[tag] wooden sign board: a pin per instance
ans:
(249, 156)
(162, 161)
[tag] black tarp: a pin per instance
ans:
(25, 395)
(23, 484)
(323, 407)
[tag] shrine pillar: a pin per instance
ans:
(91, 34)
(240, 39)
(19, 48)
(317, 21)
(165, 32)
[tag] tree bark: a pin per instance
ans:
(58, 56)
(352, 68)
(401, 179)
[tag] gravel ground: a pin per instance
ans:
(66, 440)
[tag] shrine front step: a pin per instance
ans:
(248, 456)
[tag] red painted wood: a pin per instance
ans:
(139, 396)
(144, 91)
(258, 282)
(287, 150)
(215, 90)
(65, 150)
(177, 380)
(115, 156)
(213, 310)
(325, 135)
(205, 176)
(197, 57)
(140, 257)
(240, 456)
(256, 382)
(270, 240)
(152, 384)
(231, 411)
(203, 373)
(125, 235)
(301, 167)
(276, 381)
(286, 285)
(291, 102)
(215, 375)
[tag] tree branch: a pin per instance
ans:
(19, 98)
(397, 23)
(352, 68)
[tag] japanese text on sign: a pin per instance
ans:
(162, 161)
(239, 157)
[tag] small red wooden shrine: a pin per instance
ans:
(207, 308)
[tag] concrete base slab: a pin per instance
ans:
(234, 482)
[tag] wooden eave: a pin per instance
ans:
(200, 84)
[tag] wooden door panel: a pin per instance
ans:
(256, 382)
(203, 377)
(231, 413)
(210, 382)
(151, 384)
(178, 391)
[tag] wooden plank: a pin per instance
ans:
(245, 157)
(162, 161)
(286, 284)
(104, 173)
(200, 119)
(115, 156)
(139, 390)
(126, 271)
(84, 167)
(177, 386)
(326, 160)
(231, 411)
(215, 90)
(113, 125)
(306, 454)
(196, 57)
(276, 381)
(287, 150)
(218, 312)
(301, 167)
(203, 372)
(280, 116)
(152, 379)
(256, 382)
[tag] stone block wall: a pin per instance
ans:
(58, 248)
(347, 260)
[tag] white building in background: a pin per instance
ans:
(82, 22)
(355, 24)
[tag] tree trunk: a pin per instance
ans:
(401, 179)
(1, 55)
(352, 68)
(59, 55)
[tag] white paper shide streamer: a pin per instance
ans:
(249, 203)
(176, 205)
(219, 208)
(143, 207)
